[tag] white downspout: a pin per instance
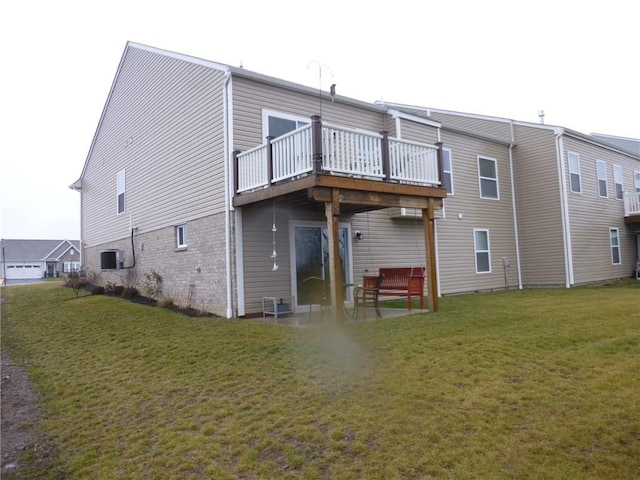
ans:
(228, 131)
(566, 228)
(514, 208)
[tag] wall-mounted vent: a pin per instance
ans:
(111, 259)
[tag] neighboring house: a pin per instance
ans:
(577, 197)
(234, 186)
(33, 259)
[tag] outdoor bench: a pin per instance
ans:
(400, 282)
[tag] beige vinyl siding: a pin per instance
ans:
(164, 126)
(591, 215)
(251, 97)
(495, 128)
(417, 132)
(259, 278)
(386, 242)
(465, 211)
(538, 198)
(399, 242)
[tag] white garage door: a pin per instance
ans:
(19, 272)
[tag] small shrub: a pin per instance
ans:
(93, 278)
(117, 290)
(130, 278)
(73, 281)
(130, 292)
(152, 284)
(166, 302)
(97, 290)
(108, 287)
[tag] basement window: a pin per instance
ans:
(181, 236)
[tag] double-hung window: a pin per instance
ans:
(120, 186)
(181, 236)
(447, 171)
(614, 240)
(482, 250)
(636, 183)
(601, 172)
(488, 174)
(574, 172)
(617, 182)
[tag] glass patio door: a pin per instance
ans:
(311, 259)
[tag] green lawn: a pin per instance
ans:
(540, 384)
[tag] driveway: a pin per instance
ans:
(23, 281)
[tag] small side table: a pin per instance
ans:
(278, 306)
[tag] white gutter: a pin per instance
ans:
(514, 208)
(564, 201)
(226, 92)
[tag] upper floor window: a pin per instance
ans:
(574, 172)
(447, 171)
(601, 171)
(617, 181)
(636, 182)
(614, 240)
(181, 236)
(276, 124)
(482, 250)
(120, 191)
(488, 173)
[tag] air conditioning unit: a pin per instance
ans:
(111, 259)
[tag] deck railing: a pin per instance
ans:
(631, 203)
(326, 148)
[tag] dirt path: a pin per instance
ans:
(23, 448)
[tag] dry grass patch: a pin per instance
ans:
(530, 384)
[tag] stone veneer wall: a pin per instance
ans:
(201, 264)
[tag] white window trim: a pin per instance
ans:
(476, 250)
(266, 113)
(599, 178)
(569, 154)
(618, 168)
(450, 171)
(121, 190)
(612, 246)
(636, 182)
(480, 177)
(185, 242)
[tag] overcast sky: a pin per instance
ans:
(577, 61)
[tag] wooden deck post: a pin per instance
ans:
(386, 162)
(332, 212)
(316, 143)
(270, 159)
(236, 169)
(428, 216)
(440, 164)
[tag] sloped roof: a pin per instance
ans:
(630, 144)
(32, 250)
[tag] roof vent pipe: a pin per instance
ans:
(541, 116)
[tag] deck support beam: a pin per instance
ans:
(428, 216)
(336, 290)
